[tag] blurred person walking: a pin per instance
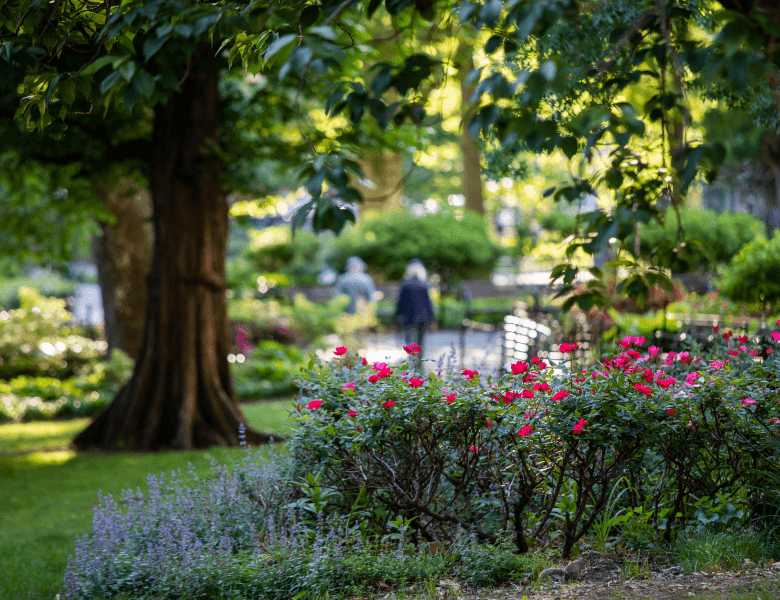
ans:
(414, 308)
(357, 284)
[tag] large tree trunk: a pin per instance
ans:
(123, 253)
(181, 395)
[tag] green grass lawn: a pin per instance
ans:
(47, 492)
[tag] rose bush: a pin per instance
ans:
(540, 450)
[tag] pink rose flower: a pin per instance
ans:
(469, 373)
(526, 430)
(388, 404)
(560, 395)
(412, 349)
(352, 413)
(416, 382)
(314, 404)
(580, 424)
(340, 350)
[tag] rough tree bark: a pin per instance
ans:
(123, 253)
(180, 394)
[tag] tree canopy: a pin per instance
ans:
(607, 84)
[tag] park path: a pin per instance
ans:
(441, 349)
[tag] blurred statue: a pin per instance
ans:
(356, 284)
(414, 309)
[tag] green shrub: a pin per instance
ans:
(451, 450)
(274, 250)
(26, 398)
(754, 274)
(52, 285)
(711, 238)
(491, 564)
(35, 341)
(455, 248)
(268, 372)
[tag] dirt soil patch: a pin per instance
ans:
(604, 579)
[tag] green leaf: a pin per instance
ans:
(110, 81)
(569, 147)
(144, 83)
(309, 16)
(493, 44)
(50, 88)
(277, 45)
(130, 97)
(692, 160)
(372, 6)
(152, 45)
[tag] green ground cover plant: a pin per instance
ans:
(729, 550)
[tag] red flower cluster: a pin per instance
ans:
(526, 430)
(469, 373)
(568, 347)
(416, 382)
(384, 372)
(580, 424)
(412, 349)
(519, 368)
(560, 395)
(643, 389)
(340, 350)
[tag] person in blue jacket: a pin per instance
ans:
(414, 308)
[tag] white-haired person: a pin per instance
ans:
(355, 283)
(414, 308)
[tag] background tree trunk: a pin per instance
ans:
(123, 253)
(181, 394)
(469, 147)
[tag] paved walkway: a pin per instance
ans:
(482, 349)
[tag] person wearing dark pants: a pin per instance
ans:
(414, 308)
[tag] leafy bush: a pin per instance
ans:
(26, 398)
(274, 250)
(754, 274)
(538, 453)
(490, 564)
(711, 237)
(35, 340)
(455, 248)
(52, 285)
(269, 371)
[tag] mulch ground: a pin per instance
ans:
(604, 579)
